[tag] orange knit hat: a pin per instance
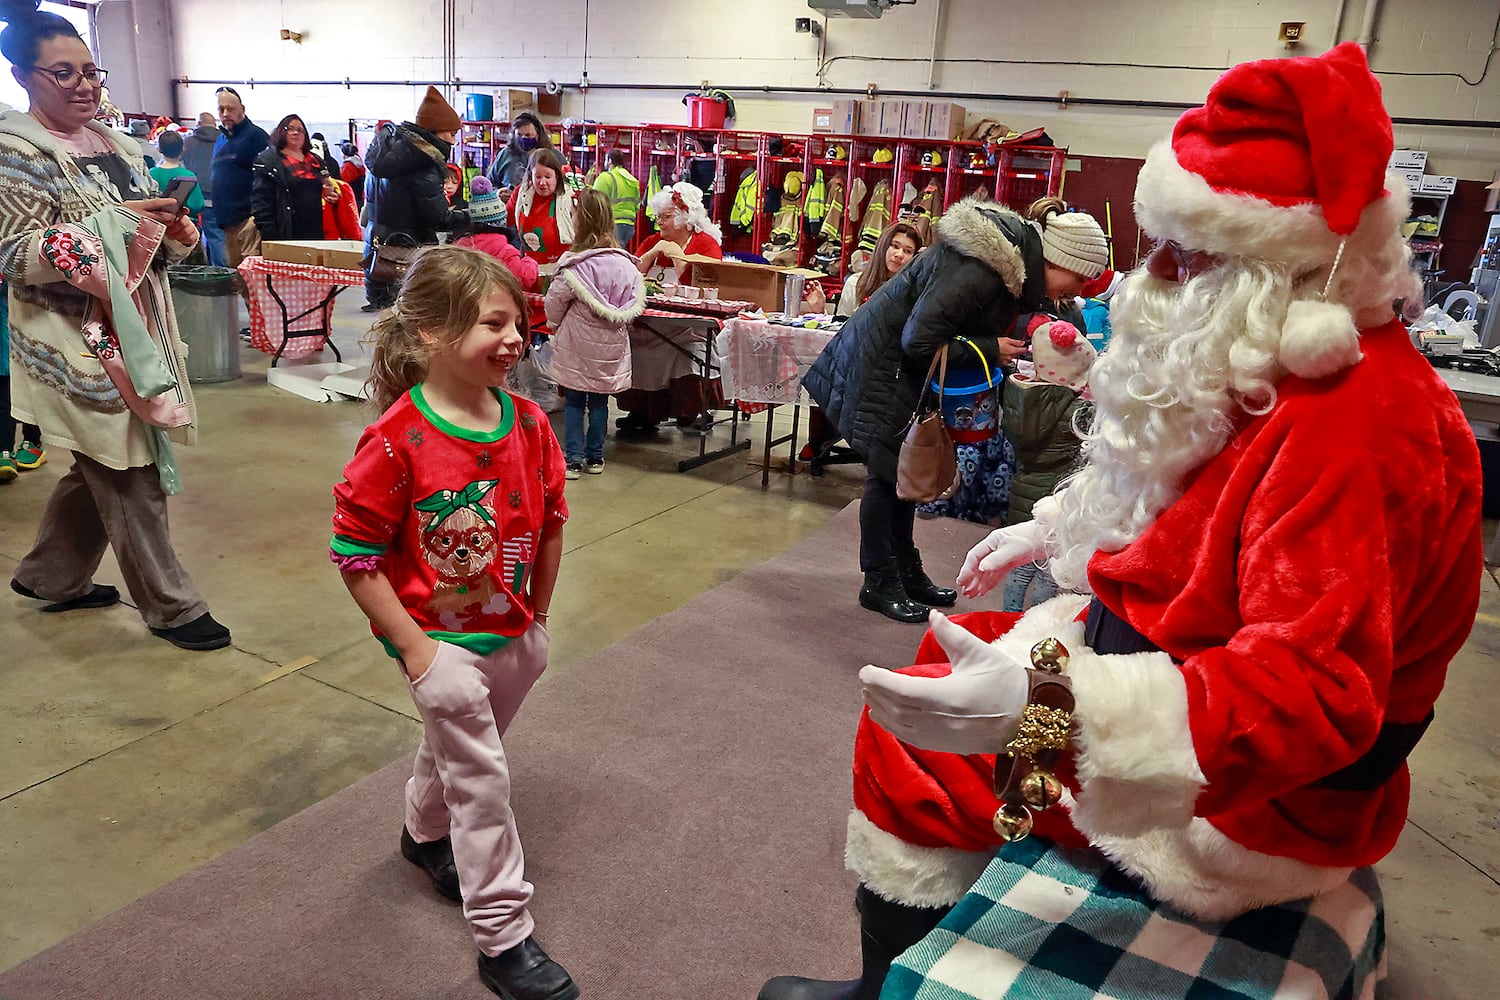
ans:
(435, 114)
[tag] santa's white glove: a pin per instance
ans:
(1001, 551)
(975, 709)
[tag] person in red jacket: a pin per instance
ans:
(352, 172)
(487, 233)
(340, 216)
(541, 209)
(1188, 774)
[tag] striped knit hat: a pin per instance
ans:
(1074, 242)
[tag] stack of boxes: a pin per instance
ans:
(892, 119)
(1412, 164)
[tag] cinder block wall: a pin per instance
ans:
(741, 44)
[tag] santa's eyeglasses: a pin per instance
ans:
(1171, 261)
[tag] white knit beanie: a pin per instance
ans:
(1074, 242)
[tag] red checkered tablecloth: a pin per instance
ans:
(763, 363)
(301, 287)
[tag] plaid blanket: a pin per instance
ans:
(1045, 924)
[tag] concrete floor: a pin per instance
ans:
(125, 762)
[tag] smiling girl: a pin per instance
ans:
(448, 534)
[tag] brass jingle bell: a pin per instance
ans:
(1041, 789)
(1050, 656)
(1012, 822)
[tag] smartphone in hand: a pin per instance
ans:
(180, 189)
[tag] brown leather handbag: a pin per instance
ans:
(927, 465)
(388, 261)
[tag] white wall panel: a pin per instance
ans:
(749, 43)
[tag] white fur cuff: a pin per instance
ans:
(906, 873)
(1137, 770)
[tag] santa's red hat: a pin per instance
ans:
(1285, 160)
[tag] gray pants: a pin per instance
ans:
(95, 506)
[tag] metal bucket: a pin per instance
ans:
(206, 300)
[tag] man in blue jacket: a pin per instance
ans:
(234, 154)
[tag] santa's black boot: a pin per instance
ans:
(884, 592)
(919, 587)
(886, 929)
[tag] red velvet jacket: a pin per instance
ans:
(1314, 581)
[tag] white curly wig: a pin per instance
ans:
(688, 197)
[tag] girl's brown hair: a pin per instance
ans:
(876, 273)
(545, 156)
(438, 303)
(593, 222)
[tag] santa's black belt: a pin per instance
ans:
(1106, 632)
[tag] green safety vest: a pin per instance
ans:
(653, 188)
(623, 191)
(817, 200)
(743, 212)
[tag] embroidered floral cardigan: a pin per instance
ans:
(60, 302)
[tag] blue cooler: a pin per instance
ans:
(479, 107)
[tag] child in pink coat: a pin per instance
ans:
(595, 295)
(487, 214)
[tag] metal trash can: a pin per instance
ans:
(208, 315)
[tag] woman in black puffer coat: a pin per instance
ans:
(987, 264)
(407, 165)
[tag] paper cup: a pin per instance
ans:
(689, 291)
(710, 294)
(669, 290)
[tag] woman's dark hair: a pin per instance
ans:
(543, 138)
(28, 28)
(278, 134)
(876, 273)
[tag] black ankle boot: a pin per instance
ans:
(886, 929)
(884, 592)
(919, 587)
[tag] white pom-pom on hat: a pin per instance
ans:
(1318, 339)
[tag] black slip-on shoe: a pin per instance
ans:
(199, 634)
(100, 595)
(526, 973)
(435, 858)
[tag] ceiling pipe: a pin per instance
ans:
(1367, 25)
(937, 24)
(1338, 22)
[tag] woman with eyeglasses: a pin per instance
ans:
(290, 183)
(98, 361)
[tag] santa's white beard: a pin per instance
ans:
(1183, 361)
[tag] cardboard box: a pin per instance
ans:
(322, 253)
(866, 118)
(509, 103)
(1413, 180)
(841, 119)
(914, 120)
(762, 284)
(1403, 160)
(1435, 184)
(892, 119)
(945, 120)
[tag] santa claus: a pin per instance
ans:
(1188, 773)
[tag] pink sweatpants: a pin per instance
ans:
(460, 785)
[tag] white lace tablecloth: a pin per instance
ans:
(764, 362)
